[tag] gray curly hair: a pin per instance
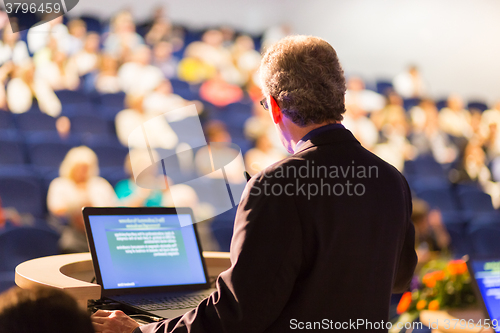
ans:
(304, 76)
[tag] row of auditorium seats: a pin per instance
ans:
(466, 210)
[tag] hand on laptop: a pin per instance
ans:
(113, 322)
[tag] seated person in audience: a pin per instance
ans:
(9, 214)
(128, 192)
(77, 186)
(161, 30)
(212, 57)
(123, 40)
(86, 59)
(263, 155)
(77, 33)
(42, 310)
(163, 59)
(410, 84)
(12, 48)
(58, 72)
(357, 121)
(489, 129)
(431, 236)
(107, 81)
(219, 92)
(358, 96)
(160, 134)
(246, 58)
(138, 76)
(24, 86)
(473, 168)
(54, 28)
(163, 100)
(393, 127)
(216, 132)
(426, 135)
(454, 119)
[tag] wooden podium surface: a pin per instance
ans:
(73, 273)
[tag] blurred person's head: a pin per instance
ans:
(41, 310)
(355, 83)
(142, 55)
(213, 38)
(474, 153)
(165, 87)
(92, 42)
(162, 51)
(108, 64)
(77, 28)
(303, 75)
(263, 143)
(244, 43)
(413, 70)
(419, 212)
(227, 34)
(9, 37)
(455, 102)
(134, 101)
(79, 165)
(216, 131)
(123, 22)
(63, 126)
(393, 98)
(25, 71)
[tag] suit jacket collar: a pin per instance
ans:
(330, 136)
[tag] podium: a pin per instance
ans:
(74, 272)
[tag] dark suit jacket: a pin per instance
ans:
(298, 258)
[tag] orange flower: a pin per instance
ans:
(438, 275)
(421, 304)
(434, 305)
(404, 303)
(456, 267)
(430, 279)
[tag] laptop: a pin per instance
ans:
(485, 273)
(148, 259)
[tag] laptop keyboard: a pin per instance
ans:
(167, 303)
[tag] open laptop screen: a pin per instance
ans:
(146, 250)
(487, 276)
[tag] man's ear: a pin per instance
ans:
(275, 110)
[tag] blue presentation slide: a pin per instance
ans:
(487, 274)
(146, 251)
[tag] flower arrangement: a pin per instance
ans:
(442, 285)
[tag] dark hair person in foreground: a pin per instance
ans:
(41, 310)
(323, 236)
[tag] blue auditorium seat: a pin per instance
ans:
(18, 245)
(484, 234)
(46, 152)
(12, 151)
(383, 86)
(442, 103)
(89, 124)
(109, 154)
(116, 100)
(22, 189)
(478, 105)
(222, 229)
(441, 199)
(409, 103)
(6, 120)
(72, 97)
(475, 202)
(35, 120)
(93, 23)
